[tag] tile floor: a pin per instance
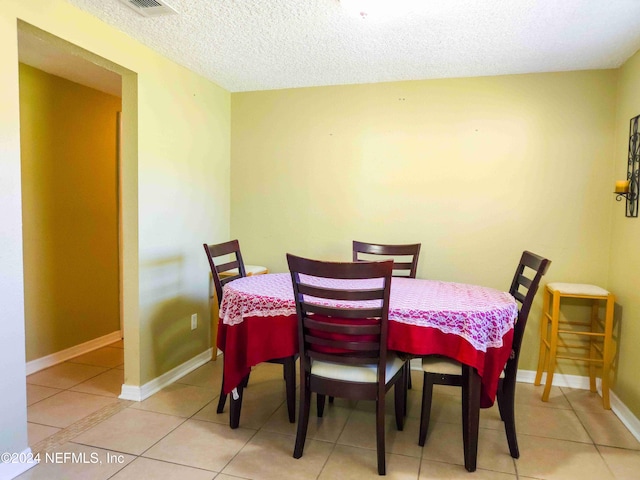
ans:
(83, 431)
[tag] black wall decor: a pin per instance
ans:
(633, 165)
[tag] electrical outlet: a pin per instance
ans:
(194, 321)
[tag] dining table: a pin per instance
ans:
(470, 323)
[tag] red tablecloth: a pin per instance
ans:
(469, 323)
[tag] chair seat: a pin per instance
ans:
(441, 365)
(444, 366)
(577, 289)
(356, 373)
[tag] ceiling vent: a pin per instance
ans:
(150, 8)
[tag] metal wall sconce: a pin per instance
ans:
(629, 188)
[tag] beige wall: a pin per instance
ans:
(625, 253)
(476, 169)
(69, 212)
(175, 180)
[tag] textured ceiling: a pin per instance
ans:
(270, 44)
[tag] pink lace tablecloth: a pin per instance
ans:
(482, 316)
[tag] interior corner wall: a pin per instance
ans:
(476, 169)
(69, 212)
(624, 272)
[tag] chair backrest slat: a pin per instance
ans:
(224, 249)
(225, 267)
(408, 268)
(229, 278)
(353, 347)
(339, 312)
(519, 296)
(349, 329)
(402, 265)
(524, 281)
(346, 360)
(330, 329)
(322, 292)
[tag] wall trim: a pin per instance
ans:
(559, 379)
(12, 470)
(625, 415)
(137, 394)
(62, 356)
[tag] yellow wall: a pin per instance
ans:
(475, 169)
(175, 181)
(69, 212)
(625, 253)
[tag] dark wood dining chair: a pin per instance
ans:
(407, 268)
(342, 332)
(445, 371)
(231, 250)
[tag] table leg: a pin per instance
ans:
(471, 387)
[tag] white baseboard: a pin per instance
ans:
(559, 379)
(12, 470)
(625, 415)
(137, 394)
(62, 356)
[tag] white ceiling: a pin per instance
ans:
(245, 45)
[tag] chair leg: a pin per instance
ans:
(506, 404)
(320, 404)
(245, 381)
(501, 401)
(593, 352)
(236, 405)
(400, 396)
(544, 332)
(553, 347)
(289, 368)
(222, 399)
(425, 412)
(407, 384)
(607, 359)
(470, 415)
(382, 468)
(303, 416)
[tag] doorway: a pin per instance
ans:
(70, 171)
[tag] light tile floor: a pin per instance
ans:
(83, 431)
